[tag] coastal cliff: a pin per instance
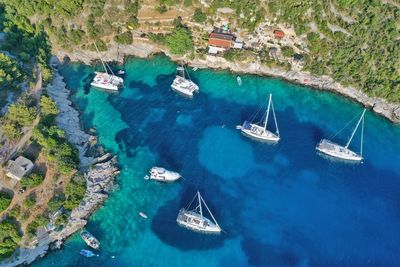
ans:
(142, 48)
(99, 175)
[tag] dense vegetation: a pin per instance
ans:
(18, 116)
(9, 238)
(10, 73)
(32, 180)
(5, 201)
(74, 192)
(356, 42)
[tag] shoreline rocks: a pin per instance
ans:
(143, 49)
(99, 173)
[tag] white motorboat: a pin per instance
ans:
(163, 175)
(193, 219)
(90, 240)
(105, 80)
(260, 132)
(184, 85)
(337, 151)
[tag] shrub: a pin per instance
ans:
(21, 114)
(74, 192)
(15, 211)
(56, 202)
(199, 16)
(124, 38)
(30, 201)
(48, 106)
(11, 131)
(287, 51)
(39, 221)
(33, 180)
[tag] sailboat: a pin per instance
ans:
(332, 149)
(193, 219)
(260, 132)
(104, 80)
(184, 85)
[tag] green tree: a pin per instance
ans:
(287, 51)
(30, 201)
(48, 106)
(10, 72)
(9, 238)
(180, 41)
(21, 114)
(124, 38)
(199, 16)
(11, 131)
(5, 201)
(74, 192)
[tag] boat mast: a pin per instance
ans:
(276, 123)
(355, 129)
(266, 117)
(98, 53)
(362, 135)
(205, 204)
(201, 210)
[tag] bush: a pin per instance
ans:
(10, 72)
(9, 238)
(33, 180)
(124, 38)
(48, 106)
(30, 201)
(56, 202)
(162, 9)
(21, 114)
(179, 41)
(74, 192)
(199, 16)
(5, 201)
(11, 131)
(287, 51)
(39, 221)
(15, 211)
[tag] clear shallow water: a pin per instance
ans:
(280, 205)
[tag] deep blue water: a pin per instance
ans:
(279, 205)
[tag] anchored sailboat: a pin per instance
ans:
(258, 131)
(343, 152)
(104, 80)
(194, 220)
(184, 85)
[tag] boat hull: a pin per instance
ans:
(336, 151)
(162, 175)
(106, 87)
(258, 133)
(187, 219)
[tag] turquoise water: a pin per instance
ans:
(279, 205)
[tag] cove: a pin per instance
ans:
(279, 205)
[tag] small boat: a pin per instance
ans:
(143, 215)
(239, 80)
(329, 148)
(121, 72)
(195, 68)
(184, 85)
(193, 218)
(87, 253)
(162, 175)
(260, 132)
(105, 80)
(90, 240)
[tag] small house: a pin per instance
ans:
(221, 40)
(18, 168)
(279, 34)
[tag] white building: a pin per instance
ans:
(18, 168)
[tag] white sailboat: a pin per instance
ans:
(332, 149)
(162, 175)
(260, 132)
(104, 80)
(193, 219)
(184, 85)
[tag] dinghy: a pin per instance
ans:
(87, 253)
(239, 80)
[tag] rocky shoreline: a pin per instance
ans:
(99, 178)
(142, 48)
